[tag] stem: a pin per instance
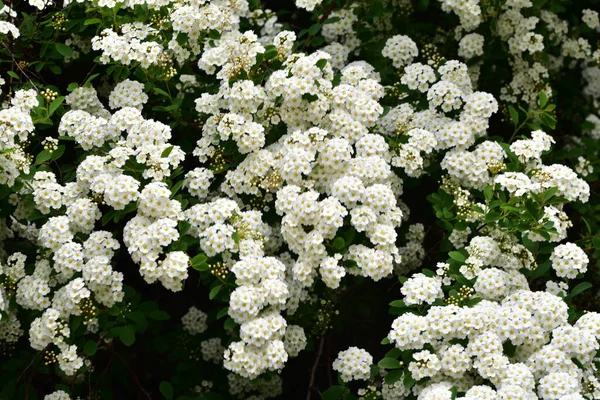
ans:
(311, 383)
(132, 373)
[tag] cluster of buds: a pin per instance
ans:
(50, 144)
(49, 95)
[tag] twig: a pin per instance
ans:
(133, 374)
(314, 368)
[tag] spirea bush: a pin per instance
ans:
(335, 199)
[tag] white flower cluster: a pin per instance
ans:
(194, 321)
(569, 260)
(353, 364)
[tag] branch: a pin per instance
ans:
(311, 383)
(133, 374)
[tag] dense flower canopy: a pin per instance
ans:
(219, 199)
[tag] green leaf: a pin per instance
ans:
(64, 50)
(166, 152)
(331, 20)
(334, 393)
(166, 389)
(385, 340)
(488, 192)
(236, 237)
(199, 262)
(159, 315)
(393, 376)
(127, 335)
(398, 303)
(338, 243)
(43, 156)
(314, 29)
(13, 74)
(222, 312)
(457, 256)
(394, 353)
(514, 115)
(321, 63)
(389, 363)
(229, 324)
(548, 194)
(215, 291)
(92, 21)
(55, 104)
(56, 154)
(542, 100)
(90, 348)
(582, 287)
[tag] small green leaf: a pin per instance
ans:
(543, 100)
(199, 262)
(393, 376)
(56, 154)
(222, 312)
(389, 363)
(338, 243)
(334, 393)
(314, 29)
(229, 324)
(64, 50)
(455, 255)
(582, 287)
(488, 192)
(514, 115)
(127, 335)
(92, 21)
(236, 237)
(166, 389)
(321, 63)
(385, 340)
(12, 74)
(398, 303)
(90, 348)
(215, 291)
(43, 156)
(158, 315)
(55, 104)
(166, 152)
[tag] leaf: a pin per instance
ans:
(338, 243)
(166, 152)
(457, 256)
(55, 104)
(90, 348)
(314, 29)
(514, 115)
(236, 237)
(56, 154)
(334, 393)
(215, 291)
(321, 63)
(398, 303)
(385, 340)
(393, 376)
(127, 335)
(331, 20)
(64, 50)
(543, 100)
(548, 194)
(582, 287)
(13, 74)
(229, 324)
(222, 312)
(166, 389)
(159, 315)
(92, 21)
(389, 363)
(43, 157)
(199, 262)
(394, 353)
(488, 193)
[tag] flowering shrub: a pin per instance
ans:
(219, 199)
